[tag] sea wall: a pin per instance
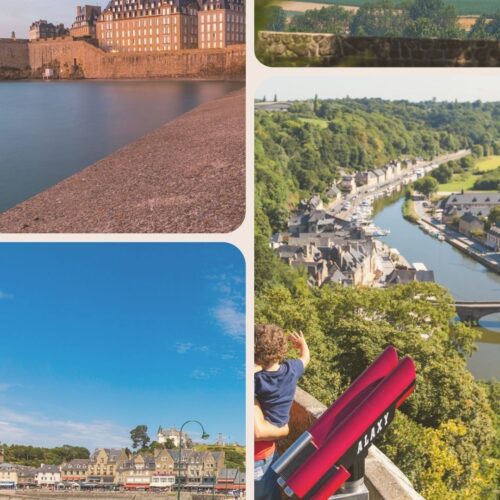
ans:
(78, 59)
(14, 59)
(320, 49)
(383, 479)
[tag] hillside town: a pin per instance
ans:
(152, 25)
(332, 234)
(118, 469)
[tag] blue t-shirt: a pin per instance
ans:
(275, 390)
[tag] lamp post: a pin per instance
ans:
(204, 435)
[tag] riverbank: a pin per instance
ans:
(186, 176)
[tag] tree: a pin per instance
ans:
(275, 98)
(486, 27)
(275, 18)
(381, 18)
(139, 437)
(426, 185)
(494, 216)
(443, 173)
(332, 19)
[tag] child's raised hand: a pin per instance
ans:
(298, 341)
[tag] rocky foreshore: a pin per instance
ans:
(187, 176)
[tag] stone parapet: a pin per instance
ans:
(321, 49)
(383, 479)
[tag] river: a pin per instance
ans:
(50, 130)
(464, 277)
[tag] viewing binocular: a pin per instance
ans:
(334, 449)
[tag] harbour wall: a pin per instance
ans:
(323, 49)
(14, 59)
(74, 59)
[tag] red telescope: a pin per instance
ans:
(334, 448)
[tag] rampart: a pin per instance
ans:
(14, 59)
(72, 59)
(383, 479)
(78, 59)
(320, 49)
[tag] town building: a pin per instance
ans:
(148, 25)
(476, 203)
(173, 435)
(8, 476)
(136, 472)
(48, 476)
(348, 183)
(230, 480)
(85, 24)
(162, 482)
(75, 470)
(40, 30)
(380, 174)
(221, 23)
(26, 477)
(404, 275)
(197, 468)
(366, 179)
(104, 463)
(493, 238)
(470, 225)
(333, 194)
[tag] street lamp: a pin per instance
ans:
(204, 435)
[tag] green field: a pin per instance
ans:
(466, 181)
(464, 7)
(315, 121)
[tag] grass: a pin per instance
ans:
(464, 7)
(315, 121)
(466, 181)
(408, 209)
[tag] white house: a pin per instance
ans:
(48, 476)
(173, 434)
(493, 238)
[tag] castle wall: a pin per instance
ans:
(79, 59)
(14, 59)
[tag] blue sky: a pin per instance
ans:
(412, 84)
(17, 15)
(98, 338)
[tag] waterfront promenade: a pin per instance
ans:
(186, 176)
(465, 244)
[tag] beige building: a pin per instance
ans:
(221, 23)
(85, 25)
(75, 470)
(148, 25)
(104, 462)
(41, 30)
(8, 476)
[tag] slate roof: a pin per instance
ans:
(468, 217)
(472, 198)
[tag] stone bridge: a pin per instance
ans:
(474, 311)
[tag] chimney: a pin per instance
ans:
(13, 36)
(78, 11)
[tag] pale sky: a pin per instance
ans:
(17, 15)
(413, 84)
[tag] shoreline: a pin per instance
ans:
(186, 176)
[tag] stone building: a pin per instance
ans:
(469, 224)
(104, 462)
(493, 238)
(40, 30)
(26, 477)
(148, 25)
(85, 25)
(169, 25)
(75, 470)
(221, 23)
(197, 467)
(478, 204)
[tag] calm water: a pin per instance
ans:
(49, 131)
(464, 277)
